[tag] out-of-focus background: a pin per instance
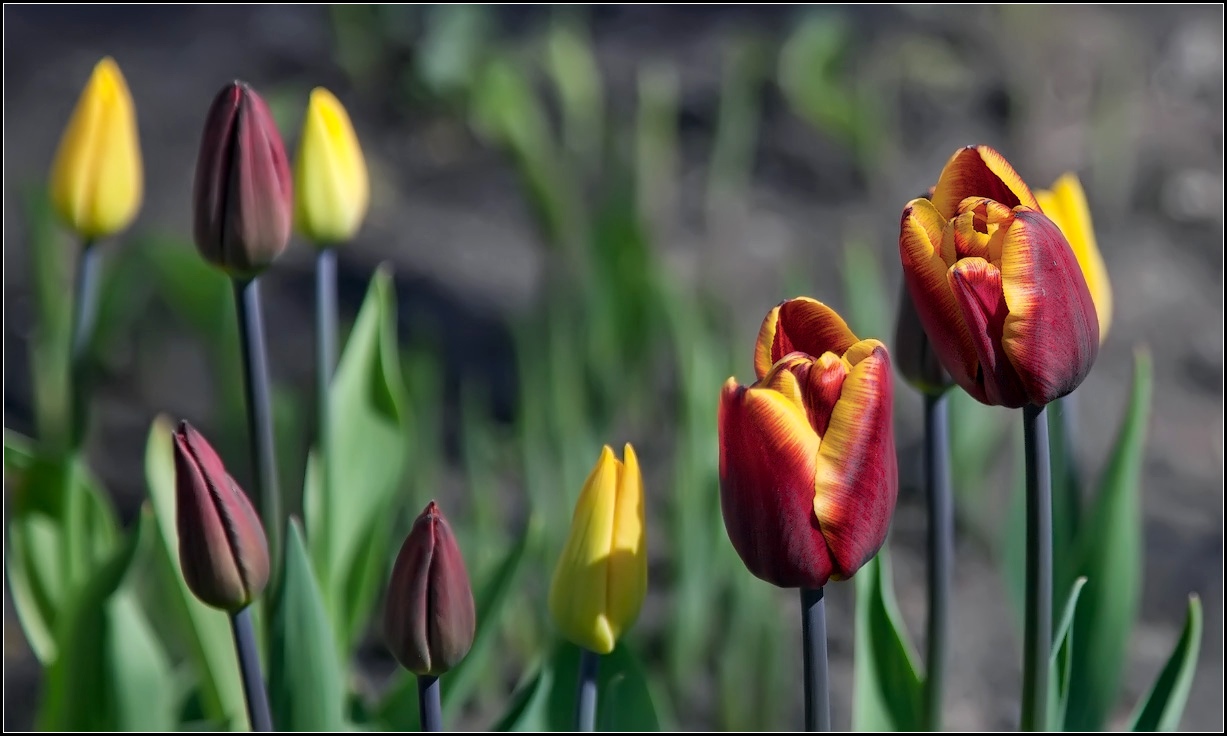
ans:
(588, 212)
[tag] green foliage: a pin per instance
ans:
(888, 694)
(1163, 706)
(1061, 662)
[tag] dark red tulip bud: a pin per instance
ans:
(429, 620)
(914, 355)
(222, 548)
(243, 198)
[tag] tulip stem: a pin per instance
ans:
(1037, 634)
(814, 643)
(428, 703)
(249, 666)
(259, 412)
(325, 359)
(585, 704)
(941, 553)
(84, 318)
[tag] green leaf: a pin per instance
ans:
(61, 528)
(888, 694)
(305, 678)
(577, 79)
(211, 640)
(112, 673)
(1060, 661)
(1110, 556)
(529, 707)
(1163, 706)
(367, 446)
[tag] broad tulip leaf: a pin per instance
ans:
(211, 641)
(1110, 556)
(305, 678)
(529, 707)
(1163, 706)
(112, 673)
(399, 709)
(1060, 661)
(366, 461)
(889, 690)
(61, 528)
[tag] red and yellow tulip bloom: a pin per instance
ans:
(997, 287)
(808, 476)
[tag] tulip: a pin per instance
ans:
(1065, 204)
(330, 179)
(914, 355)
(222, 549)
(996, 286)
(242, 196)
(808, 476)
(602, 575)
(429, 619)
(96, 179)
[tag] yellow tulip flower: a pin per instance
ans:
(1065, 204)
(330, 179)
(602, 575)
(97, 179)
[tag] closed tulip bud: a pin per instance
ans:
(222, 548)
(331, 186)
(242, 196)
(96, 179)
(996, 286)
(1065, 204)
(914, 355)
(429, 619)
(808, 476)
(602, 575)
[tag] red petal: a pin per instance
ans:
(800, 325)
(977, 287)
(767, 462)
(979, 171)
(1052, 333)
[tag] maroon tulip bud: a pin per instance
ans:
(429, 619)
(222, 548)
(914, 355)
(243, 200)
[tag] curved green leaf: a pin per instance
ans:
(1059, 663)
(1162, 707)
(889, 691)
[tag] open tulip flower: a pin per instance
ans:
(997, 286)
(808, 475)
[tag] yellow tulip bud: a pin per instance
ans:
(96, 179)
(1065, 204)
(331, 186)
(602, 575)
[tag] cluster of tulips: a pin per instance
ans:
(1005, 296)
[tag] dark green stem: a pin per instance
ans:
(249, 667)
(1037, 634)
(814, 653)
(429, 703)
(941, 552)
(84, 320)
(325, 360)
(259, 412)
(585, 704)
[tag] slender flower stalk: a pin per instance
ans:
(940, 550)
(254, 691)
(814, 652)
(84, 319)
(1037, 633)
(585, 704)
(259, 410)
(429, 707)
(325, 357)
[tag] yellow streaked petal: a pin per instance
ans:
(97, 180)
(331, 185)
(979, 171)
(628, 557)
(801, 324)
(1066, 205)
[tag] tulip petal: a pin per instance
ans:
(824, 381)
(205, 556)
(767, 461)
(1066, 205)
(856, 474)
(628, 560)
(330, 177)
(578, 593)
(979, 171)
(925, 273)
(977, 287)
(801, 324)
(1051, 335)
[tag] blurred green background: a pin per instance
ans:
(587, 212)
